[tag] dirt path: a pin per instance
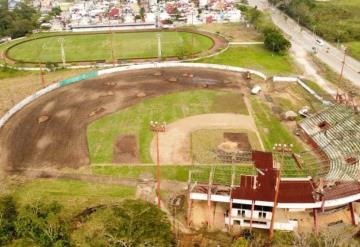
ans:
(175, 142)
(51, 131)
(301, 57)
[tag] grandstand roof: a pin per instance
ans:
(297, 191)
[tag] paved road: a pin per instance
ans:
(306, 39)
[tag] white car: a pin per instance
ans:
(320, 42)
(256, 90)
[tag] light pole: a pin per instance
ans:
(342, 67)
(63, 58)
(157, 127)
(42, 79)
(282, 149)
(159, 45)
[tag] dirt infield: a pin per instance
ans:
(175, 142)
(59, 139)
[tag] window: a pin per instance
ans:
(236, 222)
(262, 215)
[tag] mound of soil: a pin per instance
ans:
(125, 150)
(241, 139)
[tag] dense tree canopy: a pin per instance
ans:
(276, 42)
(18, 22)
(133, 223)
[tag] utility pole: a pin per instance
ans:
(342, 66)
(192, 34)
(42, 79)
(283, 149)
(63, 58)
(314, 27)
(112, 44)
(157, 127)
(159, 45)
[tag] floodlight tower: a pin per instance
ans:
(282, 149)
(157, 127)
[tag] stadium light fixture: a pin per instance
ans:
(157, 127)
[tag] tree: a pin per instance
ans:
(42, 224)
(276, 42)
(55, 11)
(19, 22)
(133, 223)
(8, 215)
(142, 13)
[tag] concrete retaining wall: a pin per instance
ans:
(303, 85)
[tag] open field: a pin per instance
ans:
(234, 32)
(354, 49)
(255, 57)
(102, 134)
(271, 129)
(88, 47)
(74, 195)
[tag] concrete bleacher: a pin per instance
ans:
(336, 131)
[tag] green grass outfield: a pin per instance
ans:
(73, 194)
(254, 57)
(103, 133)
(83, 47)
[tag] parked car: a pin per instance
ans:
(320, 42)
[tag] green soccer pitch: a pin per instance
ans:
(92, 47)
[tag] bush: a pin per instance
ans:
(42, 224)
(276, 42)
(8, 215)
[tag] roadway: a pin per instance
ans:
(300, 36)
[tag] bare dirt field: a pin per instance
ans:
(51, 131)
(126, 149)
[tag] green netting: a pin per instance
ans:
(78, 78)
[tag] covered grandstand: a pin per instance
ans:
(257, 195)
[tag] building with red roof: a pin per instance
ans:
(267, 200)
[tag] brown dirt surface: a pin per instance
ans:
(241, 139)
(70, 106)
(126, 150)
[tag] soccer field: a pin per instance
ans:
(88, 47)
